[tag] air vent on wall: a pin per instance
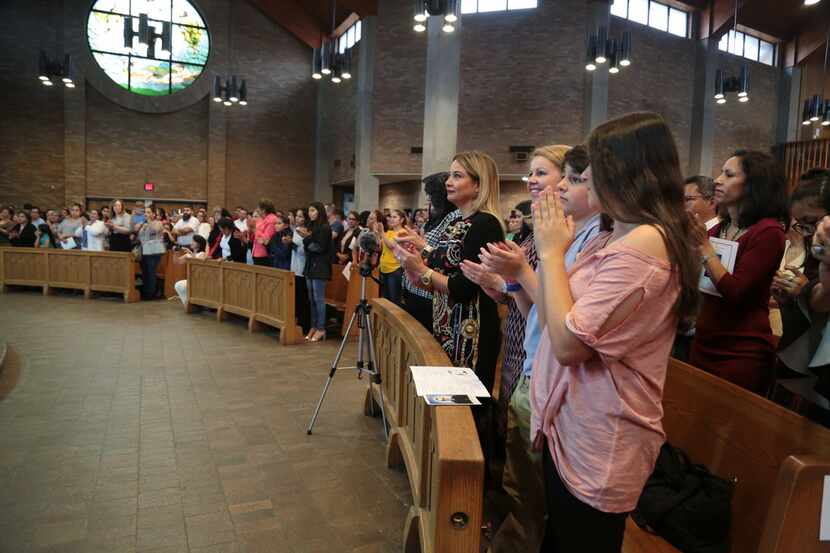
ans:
(521, 154)
(337, 163)
(416, 150)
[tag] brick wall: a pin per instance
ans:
(398, 100)
(659, 79)
(339, 111)
(749, 125)
(522, 79)
(124, 147)
(270, 143)
(202, 151)
(31, 121)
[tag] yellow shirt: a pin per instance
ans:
(388, 261)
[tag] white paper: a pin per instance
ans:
(727, 252)
(454, 400)
(824, 527)
(347, 271)
(68, 244)
(447, 381)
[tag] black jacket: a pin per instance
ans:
(318, 252)
(26, 238)
(237, 251)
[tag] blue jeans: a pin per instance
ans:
(391, 286)
(317, 302)
(149, 266)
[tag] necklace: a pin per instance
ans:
(738, 232)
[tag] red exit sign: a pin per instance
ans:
(149, 187)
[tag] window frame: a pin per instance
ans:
(507, 8)
(170, 60)
(354, 33)
(670, 9)
(725, 39)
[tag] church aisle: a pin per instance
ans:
(141, 429)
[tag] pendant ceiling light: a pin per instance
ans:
(334, 56)
(817, 108)
(446, 9)
(725, 83)
(51, 71)
(232, 90)
(601, 50)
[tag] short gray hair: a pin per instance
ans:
(705, 185)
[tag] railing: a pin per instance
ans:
(51, 268)
(799, 157)
(438, 445)
(262, 294)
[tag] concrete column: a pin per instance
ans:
(74, 118)
(217, 154)
(596, 82)
(322, 152)
(443, 79)
(788, 125)
(703, 108)
(366, 185)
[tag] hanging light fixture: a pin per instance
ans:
(725, 83)
(51, 71)
(233, 90)
(346, 65)
(590, 64)
(316, 64)
(448, 10)
(601, 49)
(816, 107)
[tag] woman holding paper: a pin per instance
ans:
(733, 339)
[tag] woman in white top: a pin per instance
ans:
(298, 268)
(96, 232)
(119, 227)
(204, 226)
(197, 250)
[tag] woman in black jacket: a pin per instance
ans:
(318, 248)
(23, 234)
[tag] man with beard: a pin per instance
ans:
(185, 227)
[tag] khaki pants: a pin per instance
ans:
(524, 527)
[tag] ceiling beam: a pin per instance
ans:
(291, 16)
(719, 16)
(363, 8)
(805, 43)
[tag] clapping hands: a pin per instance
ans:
(553, 231)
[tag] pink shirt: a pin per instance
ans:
(264, 229)
(602, 418)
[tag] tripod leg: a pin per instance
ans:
(374, 366)
(331, 374)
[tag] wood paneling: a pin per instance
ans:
(799, 157)
(75, 269)
(262, 294)
(438, 445)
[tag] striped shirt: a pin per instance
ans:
(432, 237)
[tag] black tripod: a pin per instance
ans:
(362, 314)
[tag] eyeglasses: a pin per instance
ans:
(805, 229)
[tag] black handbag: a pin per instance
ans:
(686, 504)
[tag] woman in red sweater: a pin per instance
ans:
(733, 339)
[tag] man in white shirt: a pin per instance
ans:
(185, 227)
(35, 217)
(700, 200)
(241, 222)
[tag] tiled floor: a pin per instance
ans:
(138, 428)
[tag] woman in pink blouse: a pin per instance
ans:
(597, 381)
(265, 230)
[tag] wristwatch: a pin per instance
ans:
(426, 251)
(426, 277)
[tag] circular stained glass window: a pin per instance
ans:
(149, 47)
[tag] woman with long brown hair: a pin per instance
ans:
(597, 382)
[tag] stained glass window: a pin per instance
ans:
(151, 71)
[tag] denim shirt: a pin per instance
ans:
(533, 333)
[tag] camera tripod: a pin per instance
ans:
(362, 314)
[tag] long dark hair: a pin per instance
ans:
(46, 231)
(765, 190)
(435, 186)
(321, 216)
(637, 179)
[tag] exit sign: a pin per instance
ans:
(149, 187)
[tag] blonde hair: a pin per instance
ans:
(482, 169)
(555, 153)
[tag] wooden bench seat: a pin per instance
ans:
(778, 458)
(336, 288)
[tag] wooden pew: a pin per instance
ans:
(438, 445)
(262, 294)
(778, 457)
(336, 288)
(50, 268)
(353, 297)
(174, 271)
